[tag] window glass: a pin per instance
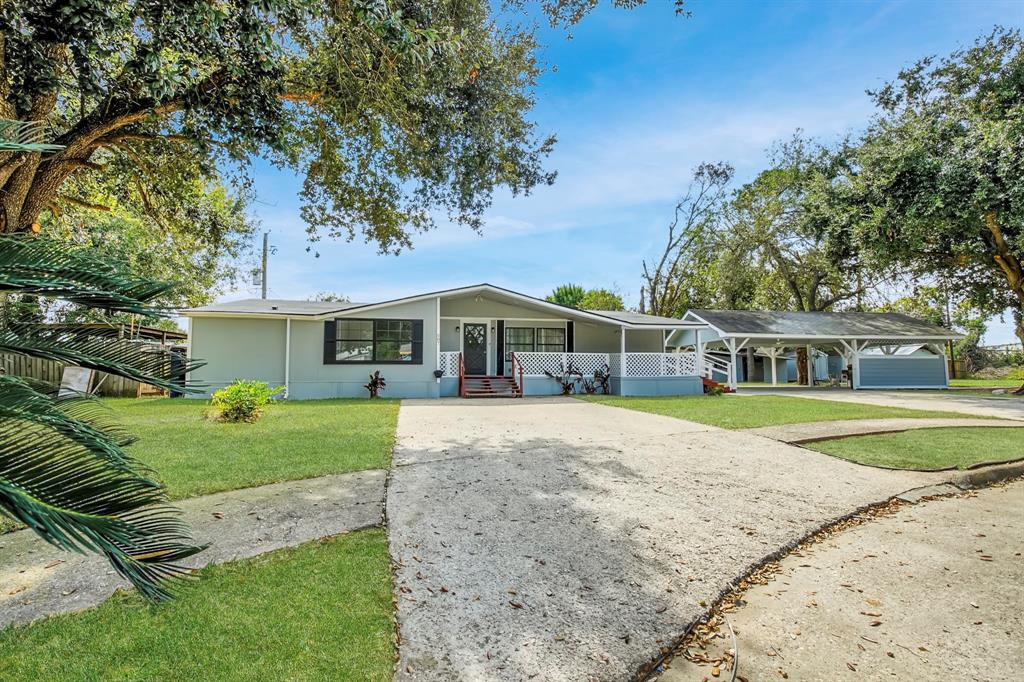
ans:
(551, 340)
(354, 351)
(374, 340)
(518, 340)
(355, 330)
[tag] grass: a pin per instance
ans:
(985, 383)
(315, 612)
(928, 448)
(291, 441)
(746, 412)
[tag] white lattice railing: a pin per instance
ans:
(535, 364)
(450, 363)
(654, 364)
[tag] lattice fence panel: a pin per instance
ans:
(587, 363)
(450, 363)
(680, 364)
(615, 363)
(535, 364)
(660, 364)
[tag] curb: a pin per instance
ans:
(978, 478)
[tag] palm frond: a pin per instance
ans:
(37, 265)
(70, 490)
(128, 358)
(79, 419)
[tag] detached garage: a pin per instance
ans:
(881, 350)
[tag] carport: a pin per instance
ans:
(873, 345)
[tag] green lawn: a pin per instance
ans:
(928, 448)
(745, 412)
(985, 383)
(292, 440)
(321, 611)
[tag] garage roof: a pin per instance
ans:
(803, 325)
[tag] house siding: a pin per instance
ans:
(254, 349)
(902, 371)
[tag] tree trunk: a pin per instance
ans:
(1018, 318)
(801, 366)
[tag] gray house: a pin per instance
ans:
(477, 340)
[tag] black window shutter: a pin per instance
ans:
(330, 344)
(570, 337)
(417, 342)
(501, 348)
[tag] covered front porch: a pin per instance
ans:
(502, 343)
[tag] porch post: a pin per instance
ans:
(622, 349)
(730, 344)
(775, 370)
(855, 379)
(700, 352)
(437, 339)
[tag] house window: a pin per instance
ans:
(518, 340)
(380, 341)
(551, 340)
(528, 339)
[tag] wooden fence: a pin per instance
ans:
(50, 371)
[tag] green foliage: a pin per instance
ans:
(936, 185)
(772, 227)
(242, 400)
(570, 295)
(376, 384)
(392, 113)
(601, 299)
(63, 472)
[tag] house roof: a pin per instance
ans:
(255, 307)
(640, 319)
(807, 325)
(274, 306)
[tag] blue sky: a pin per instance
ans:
(638, 99)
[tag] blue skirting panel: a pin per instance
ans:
(657, 386)
(449, 387)
(543, 386)
(314, 390)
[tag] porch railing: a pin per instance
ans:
(536, 364)
(533, 364)
(619, 364)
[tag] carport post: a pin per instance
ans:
(810, 366)
(775, 370)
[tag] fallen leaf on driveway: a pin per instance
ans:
(851, 666)
(515, 604)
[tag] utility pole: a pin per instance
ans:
(263, 278)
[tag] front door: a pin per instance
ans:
(474, 348)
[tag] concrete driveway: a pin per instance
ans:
(564, 540)
(949, 401)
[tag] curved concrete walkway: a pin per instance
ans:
(558, 539)
(809, 432)
(37, 579)
(932, 592)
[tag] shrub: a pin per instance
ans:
(714, 391)
(243, 401)
(375, 385)
(567, 378)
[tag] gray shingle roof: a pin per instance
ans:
(639, 318)
(797, 324)
(275, 306)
